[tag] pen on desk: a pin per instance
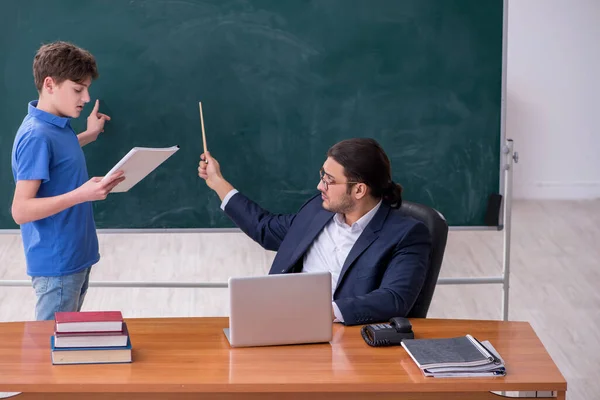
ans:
(491, 356)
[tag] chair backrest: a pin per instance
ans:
(438, 228)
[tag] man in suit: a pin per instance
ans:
(378, 257)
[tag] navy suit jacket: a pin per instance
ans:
(383, 273)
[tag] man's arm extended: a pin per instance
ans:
(260, 225)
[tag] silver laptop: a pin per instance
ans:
(280, 309)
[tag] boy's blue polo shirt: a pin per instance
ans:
(46, 148)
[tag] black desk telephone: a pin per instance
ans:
(389, 334)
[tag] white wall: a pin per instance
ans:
(553, 97)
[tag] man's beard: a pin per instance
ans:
(344, 206)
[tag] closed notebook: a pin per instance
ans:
(461, 351)
(138, 163)
(495, 368)
(89, 355)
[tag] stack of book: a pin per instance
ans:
(98, 337)
(458, 357)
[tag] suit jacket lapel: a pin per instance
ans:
(369, 235)
(318, 223)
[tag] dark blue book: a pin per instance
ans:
(90, 355)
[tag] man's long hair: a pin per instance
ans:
(365, 161)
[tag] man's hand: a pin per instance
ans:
(95, 125)
(332, 313)
(210, 170)
(96, 189)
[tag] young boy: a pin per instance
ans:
(53, 195)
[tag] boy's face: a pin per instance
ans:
(68, 98)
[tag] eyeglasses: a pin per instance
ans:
(327, 184)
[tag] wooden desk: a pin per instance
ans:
(185, 357)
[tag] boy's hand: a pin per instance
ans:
(95, 122)
(96, 189)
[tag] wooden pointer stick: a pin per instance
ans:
(203, 133)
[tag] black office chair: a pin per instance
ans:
(438, 228)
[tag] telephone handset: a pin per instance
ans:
(388, 334)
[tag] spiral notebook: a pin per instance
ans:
(462, 356)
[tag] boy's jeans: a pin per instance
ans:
(59, 293)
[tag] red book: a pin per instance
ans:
(89, 321)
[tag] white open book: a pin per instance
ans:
(138, 163)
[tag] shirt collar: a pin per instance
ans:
(32, 109)
(362, 222)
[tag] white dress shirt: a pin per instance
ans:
(331, 247)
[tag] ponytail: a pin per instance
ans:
(392, 195)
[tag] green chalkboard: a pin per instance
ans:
(280, 82)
